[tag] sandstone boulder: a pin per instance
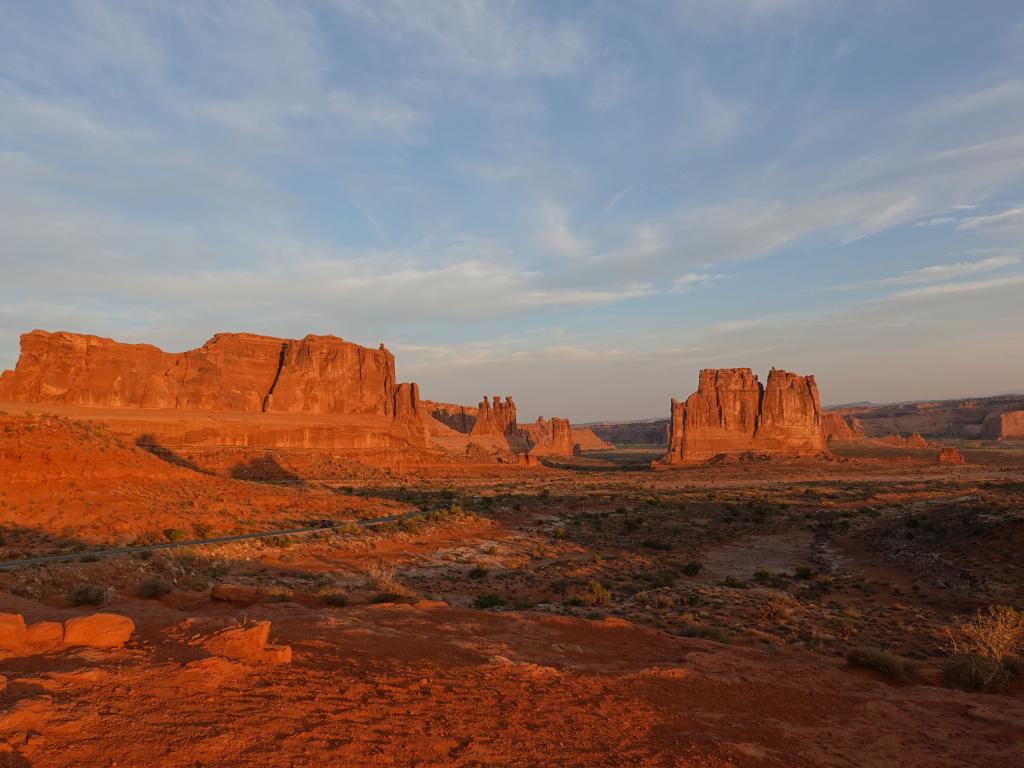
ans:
(731, 413)
(236, 594)
(12, 631)
(101, 630)
(45, 635)
(247, 644)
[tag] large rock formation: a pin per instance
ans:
(231, 372)
(839, 427)
(998, 426)
(495, 420)
(732, 413)
(548, 437)
(461, 418)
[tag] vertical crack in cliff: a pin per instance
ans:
(181, 387)
(280, 365)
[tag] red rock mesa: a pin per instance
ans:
(998, 426)
(230, 372)
(732, 413)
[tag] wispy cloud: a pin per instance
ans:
(477, 37)
(688, 282)
(938, 272)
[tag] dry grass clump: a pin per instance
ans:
(87, 594)
(334, 596)
(886, 664)
(984, 653)
(380, 577)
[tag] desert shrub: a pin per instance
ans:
(478, 571)
(731, 582)
(334, 596)
(692, 568)
(886, 664)
(560, 533)
(483, 602)
(804, 573)
(348, 528)
(381, 577)
(984, 652)
(87, 594)
(153, 588)
(778, 606)
(278, 595)
(597, 593)
(717, 634)
(175, 534)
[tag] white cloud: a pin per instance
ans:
(939, 272)
(949, 289)
(1010, 219)
(694, 280)
(557, 236)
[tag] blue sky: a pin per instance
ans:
(576, 204)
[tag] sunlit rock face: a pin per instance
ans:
(733, 413)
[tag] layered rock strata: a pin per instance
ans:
(733, 413)
(999, 426)
(230, 372)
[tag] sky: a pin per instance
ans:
(576, 204)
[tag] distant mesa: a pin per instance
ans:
(1000, 426)
(315, 393)
(733, 414)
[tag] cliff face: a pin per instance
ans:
(461, 418)
(732, 413)
(998, 426)
(840, 427)
(588, 441)
(548, 437)
(232, 372)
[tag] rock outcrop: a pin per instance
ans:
(248, 643)
(99, 630)
(548, 437)
(461, 418)
(1000, 426)
(587, 440)
(495, 419)
(231, 372)
(950, 456)
(839, 427)
(732, 413)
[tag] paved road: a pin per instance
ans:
(368, 523)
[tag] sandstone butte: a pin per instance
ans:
(999, 426)
(347, 395)
(840, 427)
(950, 456)
(732, 413)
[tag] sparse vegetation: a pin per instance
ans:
(886, 664)
(984, 653)
(87, 594)
(153, 588)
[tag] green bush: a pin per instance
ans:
(692, 568)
